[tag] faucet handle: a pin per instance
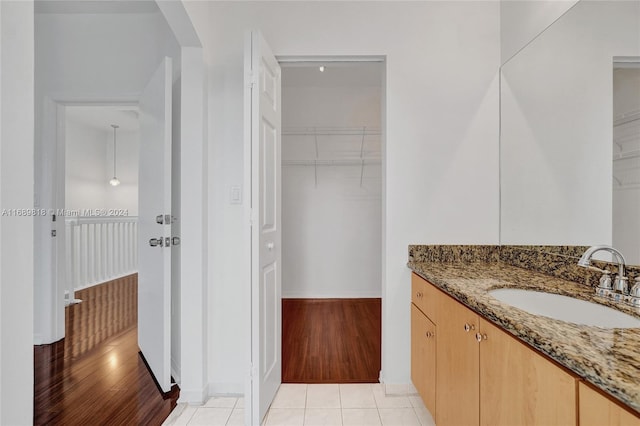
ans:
(635, 290)
(605, 280)
(621, 284)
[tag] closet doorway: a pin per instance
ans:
(332, 191)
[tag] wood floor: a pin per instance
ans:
(95, 375)
(331, 340)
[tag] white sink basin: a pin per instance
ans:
(565, 308)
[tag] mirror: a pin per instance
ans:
(626, 157)
(556, 168)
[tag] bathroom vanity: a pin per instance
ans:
(478, 361)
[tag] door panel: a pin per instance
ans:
(263, 74)
(458, 369)
(520, 387)
(154, 198)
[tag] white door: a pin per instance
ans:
(154, 225)
(266, 319)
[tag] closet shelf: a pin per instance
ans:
(345, 160)
(626, 118)
(626, 186)
(331, 131)
(627, 155)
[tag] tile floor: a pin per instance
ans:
(302, 405)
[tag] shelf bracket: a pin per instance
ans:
(315, 162)
(364, 132)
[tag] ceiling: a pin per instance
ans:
(102, 117)
(336, 74)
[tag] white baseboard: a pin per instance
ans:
(343, 295)
(193, 396)
(397, 388)
(226, 389)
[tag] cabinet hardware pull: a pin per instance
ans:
(469, 327)
(430, 334)
(481, 337)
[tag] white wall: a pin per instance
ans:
(84, 57)
(331, 232)
(89, 166)
(522, 20)
(16, 232)
(441, 147)
(556, 132)
(85, 166)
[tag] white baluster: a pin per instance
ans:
(76, 256)
(68, 253)
(99, 249)
(91, 254)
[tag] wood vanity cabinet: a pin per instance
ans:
(518, 386)
(423, 341)
(597, 410)
(458, 369)
(485, 376)
(423, 357)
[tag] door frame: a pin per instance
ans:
(52, 150)
(193, 272)
(247, 189)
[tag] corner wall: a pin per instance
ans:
(521, 21)
(16, 192)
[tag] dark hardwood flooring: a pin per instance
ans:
(94, 376)
(331, 340)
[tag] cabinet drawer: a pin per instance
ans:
(424, 295)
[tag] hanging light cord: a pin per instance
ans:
(114, 149)
(114, 181)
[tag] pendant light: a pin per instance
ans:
(114, 180)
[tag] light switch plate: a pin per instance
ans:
(235, 194)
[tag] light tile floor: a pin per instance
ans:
(309, 405)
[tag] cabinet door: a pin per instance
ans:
(423, 357)
(520, 387)
(597, 410)
(457, 374)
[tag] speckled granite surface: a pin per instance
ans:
(607, 358)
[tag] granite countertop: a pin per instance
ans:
(607, 358)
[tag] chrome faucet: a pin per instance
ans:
(621, 281)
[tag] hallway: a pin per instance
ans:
(95, 375)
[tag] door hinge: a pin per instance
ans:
(253, 79)
(166, 219)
